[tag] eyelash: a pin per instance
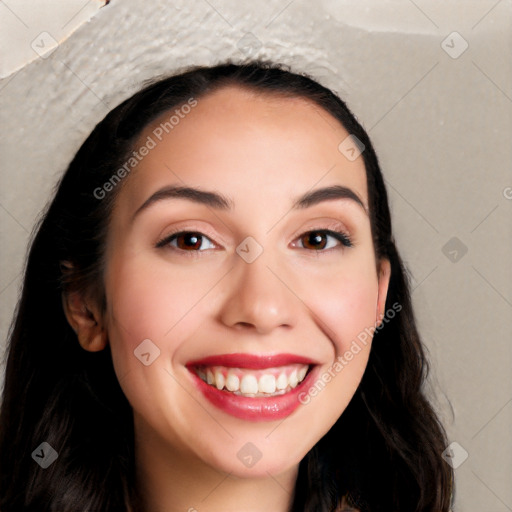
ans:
(341, 236)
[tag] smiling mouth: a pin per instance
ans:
(254, 387)
(253, 383)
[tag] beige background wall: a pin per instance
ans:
(439, 114)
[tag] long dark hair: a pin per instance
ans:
(384, 452)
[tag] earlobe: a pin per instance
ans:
(85, 321)
(384, 277)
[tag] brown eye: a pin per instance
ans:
(317, 240)
(313, 240)
(188, 241)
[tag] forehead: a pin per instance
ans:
(245, 143)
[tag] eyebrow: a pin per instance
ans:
(221, 202)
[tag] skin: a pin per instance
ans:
(262, 152)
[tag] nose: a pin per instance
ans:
(259, 298)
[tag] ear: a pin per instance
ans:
(85, 320)
(384, 277)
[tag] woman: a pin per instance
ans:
(215, 316)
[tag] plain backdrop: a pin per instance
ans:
(431, 82)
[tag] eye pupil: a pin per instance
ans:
(314, 238)
(194, 238)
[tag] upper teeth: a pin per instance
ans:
(254, 382)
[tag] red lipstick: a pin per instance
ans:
(271, 408)
(251, 361)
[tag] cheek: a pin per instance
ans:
(345, 302)
(349, 313)
(346, 307)
(149, 298)
(151, 301)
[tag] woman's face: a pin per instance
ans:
(258, 300)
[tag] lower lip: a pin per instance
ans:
(258, 408)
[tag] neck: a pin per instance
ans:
(179, 481)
